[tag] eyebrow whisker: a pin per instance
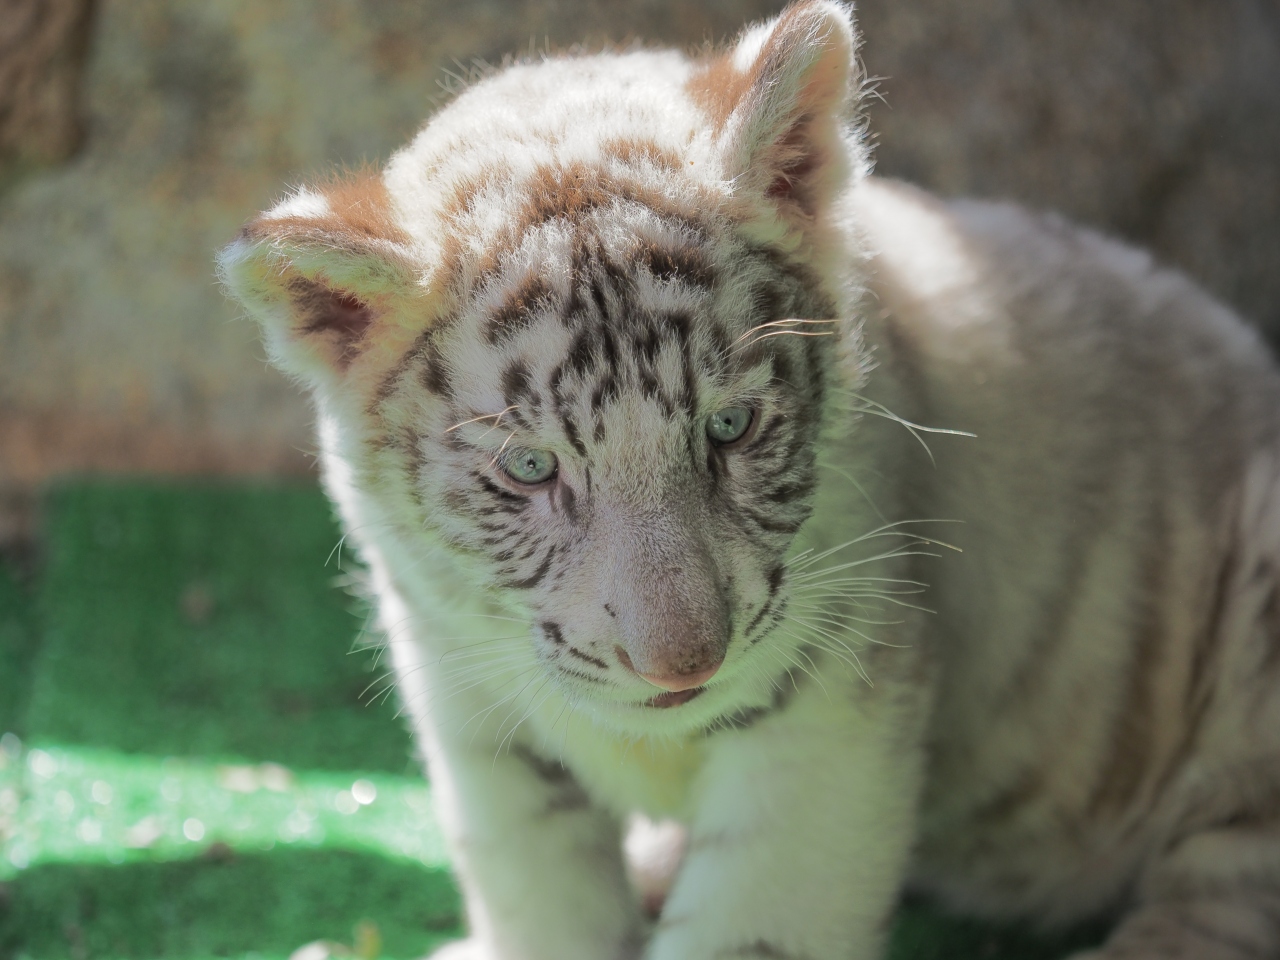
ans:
(793, 333)
(494, 461)
(780, 323)
(496, 417)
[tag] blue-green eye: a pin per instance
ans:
(729, 424)
(529, 466)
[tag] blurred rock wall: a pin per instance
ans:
(1158, 120)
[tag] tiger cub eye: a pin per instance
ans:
(530, 466)
(729, 424)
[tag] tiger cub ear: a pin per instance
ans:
(782, 99)
(330, 277)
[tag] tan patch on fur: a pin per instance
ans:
(359, 210)
(467, 189)
(571, 192)
(517, 308)
(363, 204)
(717, 86)
(637, 150)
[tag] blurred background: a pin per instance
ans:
(137, 135)
(167, 617)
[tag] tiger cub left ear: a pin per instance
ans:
(782, 98)
(331, 278)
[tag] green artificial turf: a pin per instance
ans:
(17, 648)
(204, 621)
(228, 905)
(192, 766)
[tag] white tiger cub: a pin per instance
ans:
(624, 368)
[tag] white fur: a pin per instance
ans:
(1109, 449)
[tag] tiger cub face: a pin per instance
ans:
(623, 450)
(577, 333)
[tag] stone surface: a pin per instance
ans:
(1158, 120)
(1155, 120)
(42, 47)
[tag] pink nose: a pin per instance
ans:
(675, 682)
(671, 682)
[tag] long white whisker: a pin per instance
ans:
(502, 448)
(915, 429)
(779, 323)
(787, 333)
(488, 416)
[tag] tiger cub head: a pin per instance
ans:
(575, 333)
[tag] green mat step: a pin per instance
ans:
(187, 678)
(205, 620)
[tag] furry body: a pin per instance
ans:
(586, 259)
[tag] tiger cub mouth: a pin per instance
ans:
(674, 698)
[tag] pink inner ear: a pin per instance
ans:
(341, 313)
(325, 310)
(787, 183)
(795, 160)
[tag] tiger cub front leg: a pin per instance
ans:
(804, 821)
(539, 865)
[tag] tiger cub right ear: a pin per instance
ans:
(781, 100)
(330, 277)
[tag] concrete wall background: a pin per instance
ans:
(1158, 120)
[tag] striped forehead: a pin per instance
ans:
(577, 320)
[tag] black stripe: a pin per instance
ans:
(598, 297)
(567, 501)
(571, 431)
(606, 390)
(553, 631)
(538, 574)
(391, 382)
(687, 265)
(515, 382)
(574, 651)
(581, 356)
(610, 349)
(689, 391)
(768, 300)
(648, 385)
(789, 492)
(548, 771)
(517, 311)
(568, 795)
(434, 375)
(780, 368)
(775, 581)
(771, 525)
(499, 493)
(645, 342)
(589, 678)
(766, 437)
(775, 618)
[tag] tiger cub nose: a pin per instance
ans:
(671, 682)
(675, 682)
